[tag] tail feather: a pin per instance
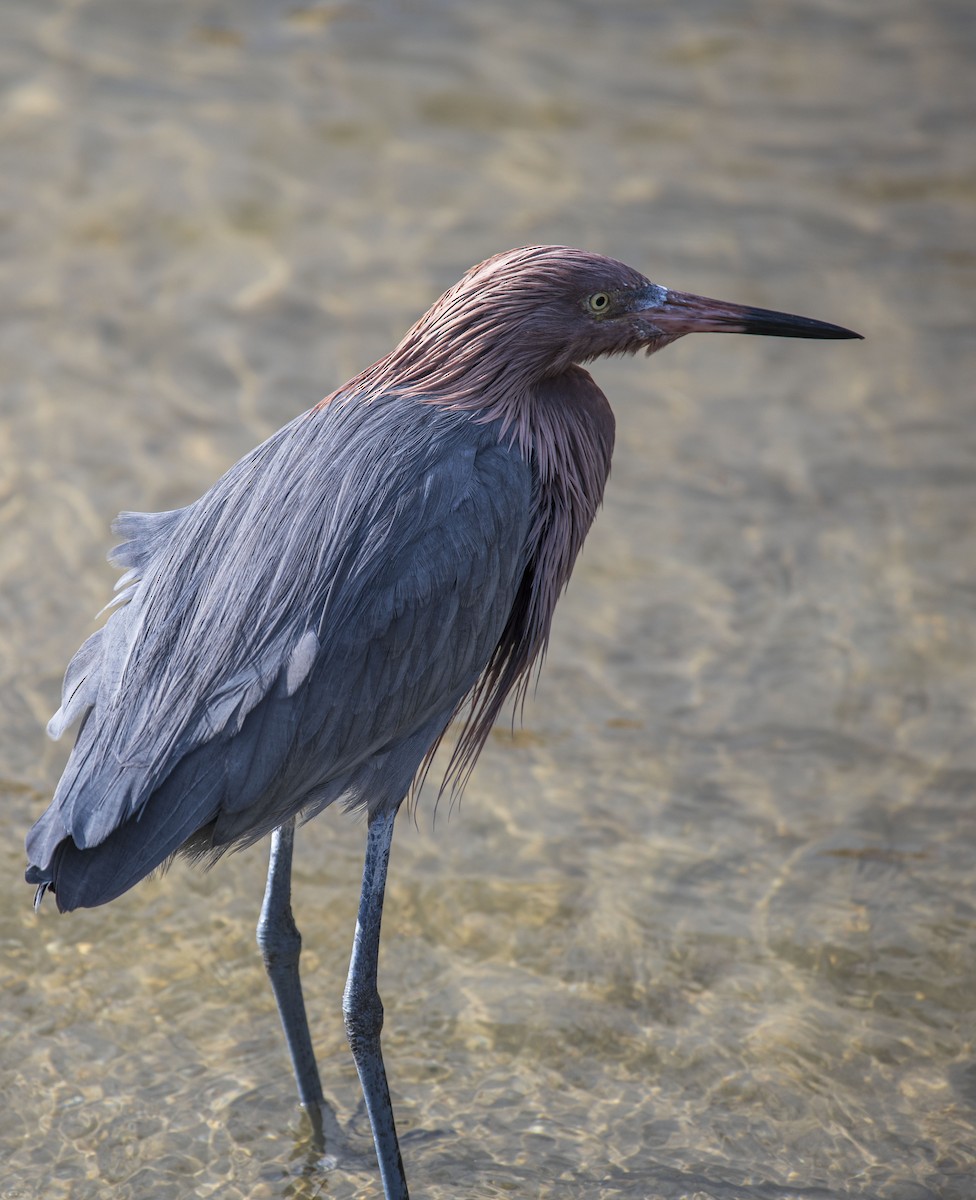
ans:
(85, 878)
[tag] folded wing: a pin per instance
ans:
(301, 634)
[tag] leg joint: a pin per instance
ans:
(363, 1018)
(279, 939)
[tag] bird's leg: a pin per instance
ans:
(363, 1009)
(281, 945)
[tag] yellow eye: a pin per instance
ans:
(598, 303)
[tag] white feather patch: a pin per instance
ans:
(300, 661)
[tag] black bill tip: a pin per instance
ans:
(777, 324)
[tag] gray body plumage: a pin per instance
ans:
(302, 633)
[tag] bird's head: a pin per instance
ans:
(575, 306)
(533, 312)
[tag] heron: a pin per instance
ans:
(386, 564)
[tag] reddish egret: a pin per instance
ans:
(307, 630)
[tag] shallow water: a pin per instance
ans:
(706, 926)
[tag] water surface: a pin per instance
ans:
(705, 927)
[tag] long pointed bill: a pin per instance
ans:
(680, 313)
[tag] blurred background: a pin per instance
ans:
(705, 926)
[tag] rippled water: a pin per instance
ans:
(705, 927)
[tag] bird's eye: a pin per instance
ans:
(598, 303)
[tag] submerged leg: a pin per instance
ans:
(281, 945)
(363, 1009)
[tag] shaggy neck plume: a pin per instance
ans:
(494, 346)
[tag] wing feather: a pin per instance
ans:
(305, 631)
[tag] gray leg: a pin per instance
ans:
(281, 945)
(363, 1009)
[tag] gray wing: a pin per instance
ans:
(302, 633)
(146, 535)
